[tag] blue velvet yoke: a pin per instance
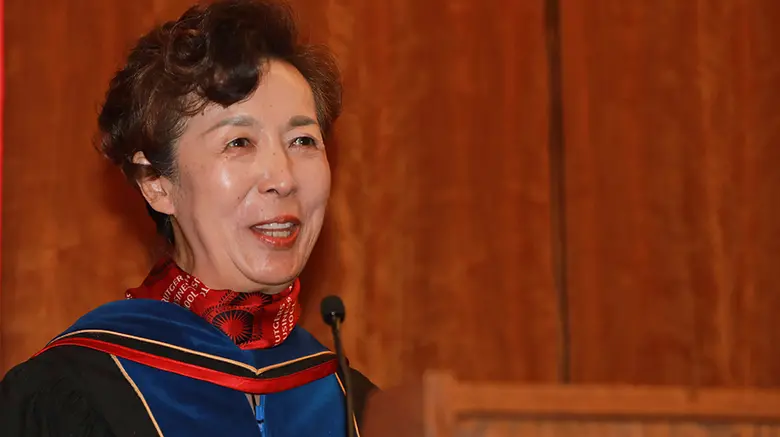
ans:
(183, 406)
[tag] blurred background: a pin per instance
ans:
(524, 190)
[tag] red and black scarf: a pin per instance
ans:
(251, 320)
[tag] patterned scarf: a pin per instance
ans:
(251, 320)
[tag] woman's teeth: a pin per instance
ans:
(276, 230)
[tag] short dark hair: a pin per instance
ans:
(211, 55)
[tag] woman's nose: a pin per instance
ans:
(277, 177)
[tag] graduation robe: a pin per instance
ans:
(148, 368)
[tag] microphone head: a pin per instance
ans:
(332, 309)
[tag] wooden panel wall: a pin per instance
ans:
(439, 241)
(439, 234)
(672, 152)
(67, 245)
(439, 230)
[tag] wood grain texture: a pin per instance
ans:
(438, 231)
(671, 156)
(439, 405)
(439, 240)
(70, 241)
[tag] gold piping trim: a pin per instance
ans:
(138, 392)
(277, 365)
(354, 418)
(255, 370)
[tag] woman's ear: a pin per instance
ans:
(156, 190)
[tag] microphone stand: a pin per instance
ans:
(335, 329)
(333, 314)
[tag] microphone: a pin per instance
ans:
(333, 313)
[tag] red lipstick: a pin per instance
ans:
(279, 232)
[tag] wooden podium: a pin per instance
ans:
(440, 406)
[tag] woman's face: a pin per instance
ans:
(252, 187)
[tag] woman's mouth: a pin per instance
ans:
(279, 233)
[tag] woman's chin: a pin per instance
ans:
(273, 275)
(273, 268)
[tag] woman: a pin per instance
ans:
(219, 119)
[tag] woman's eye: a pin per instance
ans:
(305, 142)
(239, 142)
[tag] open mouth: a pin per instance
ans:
(277, 230)
(280, 233)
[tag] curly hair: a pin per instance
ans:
(212, 54)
